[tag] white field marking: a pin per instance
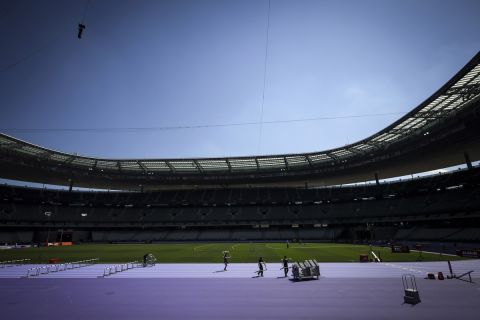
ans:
(203, 245)
(235, 245)
(403, 268)
(442, 254)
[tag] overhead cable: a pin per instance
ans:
(186, 127)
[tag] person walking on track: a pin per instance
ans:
(285, 265)
(226, 256)
(261, 266)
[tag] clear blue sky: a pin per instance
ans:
(175, 63)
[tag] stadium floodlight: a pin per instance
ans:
(83, 214)
(48, 213)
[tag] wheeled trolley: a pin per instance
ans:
(411, 295)
(306, 270)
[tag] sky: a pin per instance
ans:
(207, 65)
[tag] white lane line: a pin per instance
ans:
(442, 254)
(403, 268)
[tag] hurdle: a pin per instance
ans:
(37, 271)
(13, 263)
(44, 270)
(107, 271)
(54, 268)
(32, 272)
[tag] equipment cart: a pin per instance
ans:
(411, 295)
(306, 270)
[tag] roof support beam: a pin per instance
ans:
(117, 163)
(72, 157)
(355, 151)
(374, 145)
(144, 169)
(335, 158)
(467, 91)
(45, 155)
(258, 165)
(172, 169)
(287, 167)
(199, 167)
(309, 160)
(229, 165)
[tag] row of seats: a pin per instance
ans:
(418, 233)
(451, 202)
(438, 234)
(13, 236)
(424, 185)
(216, 235)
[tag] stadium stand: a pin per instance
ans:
(316, 196)
(396, 210)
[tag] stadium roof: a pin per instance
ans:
(460, 94)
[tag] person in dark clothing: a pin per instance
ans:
(285, 265)
(226, 256)
(145, 257)
(261, 266)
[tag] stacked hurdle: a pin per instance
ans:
(411, 295)
(36, 271)
(12, 263)
(120, 268)
(306, 270)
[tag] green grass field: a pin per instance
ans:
(212, 252)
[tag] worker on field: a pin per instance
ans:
(145, 257)
(261, 266)
(226, 256)
(285, 265)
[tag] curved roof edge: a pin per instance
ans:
(460, 92)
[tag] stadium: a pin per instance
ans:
(386, 227)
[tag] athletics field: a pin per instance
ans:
(212, 252)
